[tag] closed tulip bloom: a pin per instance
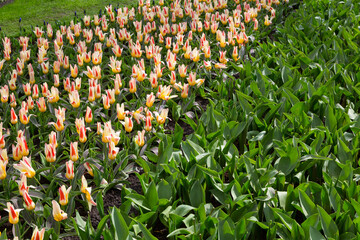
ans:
(74, 99)
(66, 62)
(150, 99)
(50, 152)
(38, 235)
(148, 125)
(3, 169)
(82, 134)
(41, 104)
(13, 116)
(113, 151)
(120, 110)
(23, 184)
(74, 155)
(161, 118)
(13, 213)
(128, 124)
(185, 91)
(91, 96)
(29, 203)
(25, 167)
(106, 101)
(52, 139)
(98, 91)
(89, 169)
(132, 85)
(23, 145)
(74, 71)
(88, 115)
(17, 152)
(153, 80)
(4, 93)
(64, 195)
(45, 67)
(27, 89)
(182, 70)
(58, 214)
(12, 100)
(69, 170)
(140, 138)
(3, 155)
(56, 67)
(117, 84)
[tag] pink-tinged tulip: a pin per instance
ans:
(50, 152)
(38, 235)
(3, 168)
(13, 116)
(13, 213)
(58, 214)
(29, 203)
(64, 195)
(113, 151)
(161, 118)
(25, 167)
(4, 93)
(74, 154)
(140, 138)
(69, 170)
(74, 99)
(23, 184)
(88, 115)
(41, 104)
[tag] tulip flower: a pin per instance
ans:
(23, 184)
(29, 203)
(25, 167)
(3, 168)
(58, 214)
(74, 71)
(128, 124)
(64, 195)
(27, 89)
(17, 152)
(23, 145)
(161, 118)
(2, 137)
(132, 85)
(88, 115)
(74, 99)
(148, 124)
(117, 84)
(89, 199)
(13, 116)
(13, 213)
(4, 91)
(38, 235)
(89, 169)
(113, 151)
(140, 138)
(41, 104)
(185, 91)
(150, 99)
(50, 152)
(69, 170)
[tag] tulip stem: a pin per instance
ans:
(16, 230)
(40, 184)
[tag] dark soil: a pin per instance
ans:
(160, 231)
(187, 128)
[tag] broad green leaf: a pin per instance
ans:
(197, 195)
(121, 229)
(328, 225)
(307, 205)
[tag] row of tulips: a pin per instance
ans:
(117, 64)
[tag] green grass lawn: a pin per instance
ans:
(34, 12)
